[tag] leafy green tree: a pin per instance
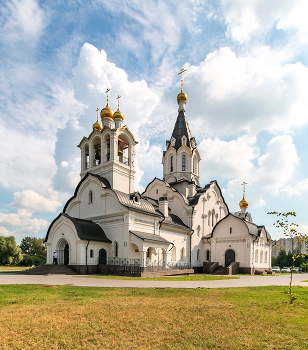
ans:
(290, 231)
(304, 266)
(33, 246)
(10, 253)
(33, 250)
(274, 261)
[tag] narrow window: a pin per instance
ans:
(209, 218)
(265, 257)
(116, 249)
(156, 191)
(198, 254)
(207, 255)
(90, 197)
(91, 253)
(183, 162)
(148, 253)
(261, 256)
(198, 231)
(171, 163)
(256, 257)
(182, 253)
(173, 253)
(230, 230)
(213, 215)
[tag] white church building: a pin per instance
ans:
(173, 226)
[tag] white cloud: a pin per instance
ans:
(298, 189)
(29, 199)
(22, 20)
(20, 223)
(236, 161)
(228, 94)
(245, 19)
(67, 176)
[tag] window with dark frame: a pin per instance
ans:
(183, 162)
(171, 163)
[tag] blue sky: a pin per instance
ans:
(246, 81)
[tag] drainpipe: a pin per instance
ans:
(253, 255)
(87, 256)
(192, 231)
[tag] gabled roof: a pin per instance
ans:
(150, 237)
(142, 206)
(253, 229)
(174, 220)
(86, 229)
(181, 128)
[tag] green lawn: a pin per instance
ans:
(171, 278)
(14, 268)
(62, 317)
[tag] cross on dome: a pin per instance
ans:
(107, 92)
(182, 80)
(118, 98)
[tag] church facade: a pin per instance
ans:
(174, 224)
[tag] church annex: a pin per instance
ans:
(174, 225)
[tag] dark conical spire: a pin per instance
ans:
(181, 128)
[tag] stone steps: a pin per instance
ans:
(220, 271)
(50, 270)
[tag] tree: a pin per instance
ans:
(33, 246)
(289, 230)
(33, 250)
(10, 253)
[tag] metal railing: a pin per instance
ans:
(123, 261)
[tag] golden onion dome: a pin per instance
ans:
(97, 126)
(107, 112)
(118, 114)
(244, 203)
(182, 97)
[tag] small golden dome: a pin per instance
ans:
(244, 203)
(118, 114)
(182, 97)
(107, 112)
(97, 126)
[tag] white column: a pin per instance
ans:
(113, 146)
(91, 156)
(143, 258)
(103, 151)
(83, 159)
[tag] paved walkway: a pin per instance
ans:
(244, 281)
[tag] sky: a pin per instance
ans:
(246, 81)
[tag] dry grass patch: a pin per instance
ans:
(33, 317)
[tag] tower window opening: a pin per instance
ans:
(183, 162)
(171, 163)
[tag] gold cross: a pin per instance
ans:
(118, 98)
(97, 109)
(182, 80)
(107, 92)
(244, 183)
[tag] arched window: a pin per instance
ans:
(171, 163)
(183, 162)
(256, 257)
(265, 257)
(91, 253)
(213, 216)
(116, 249)
(148, 252)
(90, 197)
(156, 191)
(261, 256)
(182, 253)
(230, 230)
(207, 255)
(198, 254)
(173, 253)
(209, 218)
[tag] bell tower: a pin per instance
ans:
(181, 158)
(109, 150)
